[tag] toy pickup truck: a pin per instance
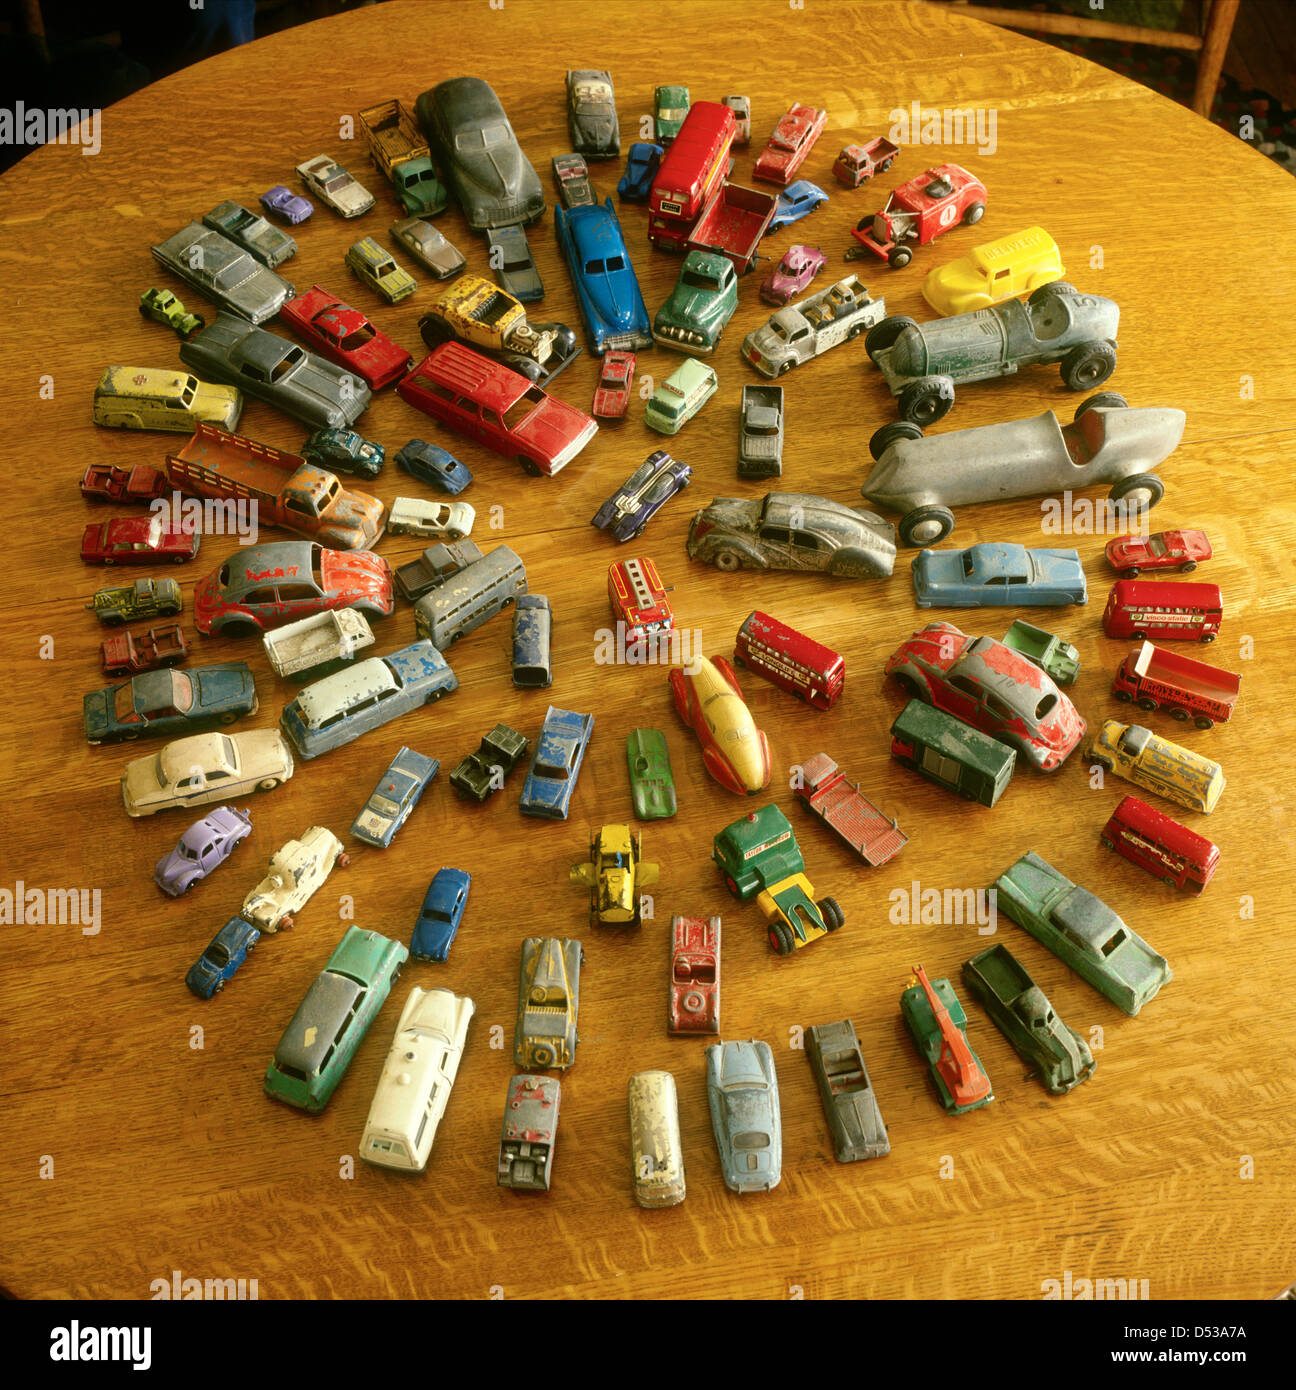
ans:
(856, 164)
(1154, 678)
(145, 598)
(398, 148)
(331, 637)
(811, 326)
(437, 562)
(733, 223)
(286, 490)
(1051, 654)
(129, 653)
(829, 794)
(103, 482)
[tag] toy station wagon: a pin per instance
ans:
(548, 1003)
(399, 789)
(693, 1004)
(377, 268)
(849, 1102)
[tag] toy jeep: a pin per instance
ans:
(145, 598)
(484, 771)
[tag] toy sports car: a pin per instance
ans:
(652, 784)
(1181, 550)
(710, 701)
(346, 336)
(643, 494)
(612, 394)
(995, 574)
(743, 1097)
(792, 531)
(591, 114)
(571, 177)
(171, 702)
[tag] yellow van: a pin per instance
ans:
(996, 271)
(656, 1154)
(158, 398)
(1147, 760)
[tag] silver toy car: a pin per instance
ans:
(224, 272)
(1108, 442)
(743, 1096)
(805, 329)
(849, 1102)
(332, 185)
(429, 247)
(252, 232)
(274, 370)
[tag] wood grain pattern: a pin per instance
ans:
(168, 1157)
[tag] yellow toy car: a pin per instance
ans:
(614, 875)
(996, 271)
(1141, 757)
(160, 398)
(379, 271)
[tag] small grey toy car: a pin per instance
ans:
(1108, 442)
(224, 272)
(922, 362)
(743, 1096)
(849, 1102)
(760, 432)
(429, 246)
(513, 264)
(252, 232)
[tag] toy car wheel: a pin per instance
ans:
(1139, 636)
(1133, 571)
(343, 861)
(1147, 702)
(925, 402)
(1047, 292)
(542, 1056)
(1088, 365)
(1188, 566)
(1208, 637)
(898, 257)
(286, 922)
(267, 784)
(1145, 489)
(693, 1002)
(1108, 400)
(780, 935)
(926, 525)
(786, 367)
(1203, 723)
(882, 439)
(1105, 842)
(1180, 714)
(974, 214)
(220, 985)
(239, 627)
(728, 560)
(1123, 696)
(831, 912)
(883, 335)
(1098, 760)
(885, 165)
(229, 716)
(528, 466)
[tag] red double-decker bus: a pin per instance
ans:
(1147, 608)
(790, 659)
(1158, 843)
(694, 168)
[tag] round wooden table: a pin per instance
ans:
(140, 1142)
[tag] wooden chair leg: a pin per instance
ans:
(1219, 28)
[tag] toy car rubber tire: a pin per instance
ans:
(974, 214)
(925, 401)
(899, 256)
(1106, 399)
(727, 560)
(1088, 365)
(882, 439)
(919, 519)
(831, 912)
(1046, 292)
(1147, 483)
(883, 335)
(781, 938)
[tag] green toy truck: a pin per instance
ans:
(701, 304)
(1051, 654)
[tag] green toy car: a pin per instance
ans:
(146, 598)
(163, 306)
(701, 304)
(651, 783)
(679, 398)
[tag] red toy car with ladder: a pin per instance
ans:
(918, 212)
(694, 1005)
(829, 794)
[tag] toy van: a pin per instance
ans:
(157, 398)
(994, 271)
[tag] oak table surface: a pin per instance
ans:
(138, 1141)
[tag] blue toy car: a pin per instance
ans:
(344, 451)
(795, 202)
(640, 170)
(396, 795)
(556, 763)
(994, 574)
(434, 466)
(169, 703)
(532, 632)
(217, 964)
(439, 918)
(743, 1097)
(633, 505)
(607, 290)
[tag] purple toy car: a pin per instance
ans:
(203, 847)
(633, 505)
(799, 266)
(283, 202)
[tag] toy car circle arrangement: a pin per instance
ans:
(978, 709)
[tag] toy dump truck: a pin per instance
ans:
(1154, 678)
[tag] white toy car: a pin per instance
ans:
(332, 185)
(811, 326)
(203, 768)
(447, 521)
(296, 871)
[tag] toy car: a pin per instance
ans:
(652, 784)
(743, 1097)
(642, 163)
(710, 701)
(614, 874)
(164, 308)
(377, 268)
(153, 398)
(484, 771)
(805, 330)
(693, 1003)
(938, 1026)
(132, 653)
(919, 211)
(429, 246)
(161, 703)
(224, 272)
(638, 599)
(849, 1102)
(477, 150)
(532, 638)
(203, 768)
(440, 915)
(612, 394)
(548, 1003)
(796, 201)
(226, 951)
(760, 432)
(1144, 758)
(1108, 442)
(998, 270)
(983, 683)
(571, 178)
(399, 789)
(1056, 1054)
(827, 793)
(793, 138)
(344, 451)
(513, 264)
(296, 871)
(995, 574)
(283, 202)
(1163, 550)
(254, 234)
(266, 586)
(431, 464)
(556, 763)
(792, 531)
(741, 107)
(922, 363)
(607, 290)
(411, 516)
(644, 493)
(345, 336)
(670, 106)
(205, 846)
(334, 187)
(591, 114)
(137, 540)
(436, 563)
(679, 398)
(146, 598)
(104, 482)
(1051, 654)
(1160, 846)
(856, 164)
(656, 1150)
(527, 1136)
(694, 317)
(1083, 932)
(799, 266)
(270, 368)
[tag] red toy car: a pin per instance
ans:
(612, 394)
(829, 794)
(105, 483)
(137, 540)
(130, 654)
(694, 1005)
(1165, 550)
(638, 598)
(918, 212)
(799, 266)
(710, 701)
(345, 336)
(793, 139)
(856, 164)
(497, 407)
(1154, 678)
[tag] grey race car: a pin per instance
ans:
(224, 272)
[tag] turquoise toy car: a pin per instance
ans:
(693, 319)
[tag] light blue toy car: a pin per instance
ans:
(396, 795)
(796, 201)
(439, 918)
(607, 289)
(556, 763)
(994, 574)
(742, 1092)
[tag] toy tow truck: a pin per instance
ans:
(829, 794)
(129, 653)
(918, 212)
(759, 857)
(938, 1026)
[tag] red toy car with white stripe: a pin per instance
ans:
(137, 540)
(345, 336)
(793, 139)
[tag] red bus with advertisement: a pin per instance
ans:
(694, 168)
(1158, 843)
(1150, 609)
(790, 659)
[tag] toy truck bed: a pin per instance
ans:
(393, 135)
(1051, 654)
(1156, 678)
(841, 805)
(733, 223)
(323, 637)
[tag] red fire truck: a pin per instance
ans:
(918, 212)
(638, 598)
(694, 168)
(1154, 678)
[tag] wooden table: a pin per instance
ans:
(139, 1140)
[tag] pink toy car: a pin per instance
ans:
(799, 266)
